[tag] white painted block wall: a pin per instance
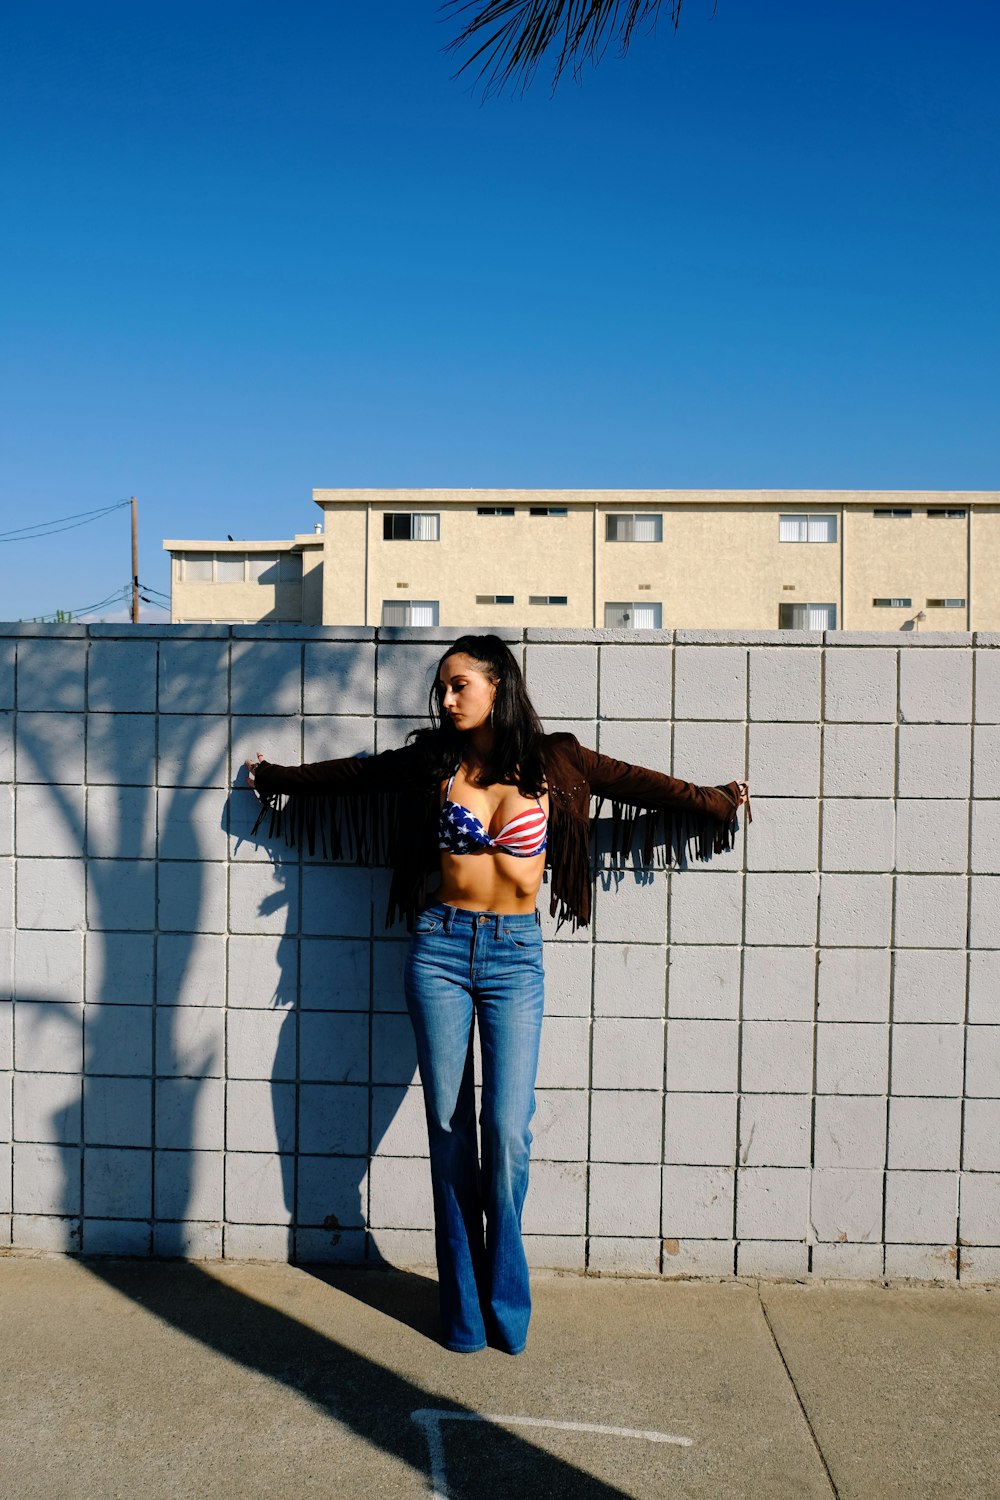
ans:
(786, 1062)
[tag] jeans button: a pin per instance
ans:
(481, 921)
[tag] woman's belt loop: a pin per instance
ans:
(449, 919)
(498, 927)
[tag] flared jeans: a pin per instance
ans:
(463, 968)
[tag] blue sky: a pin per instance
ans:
(248, 250)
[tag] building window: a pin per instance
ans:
(892, 603)
(807, 617)
(409, 611)
(646, 616)
(548, 599)
(896, 512)
(647, 527)
(195, 567)
(548, 510)
(948, 515)
(240, 567)
(411, 526)
(494, 510)
(494, 598)
(807, 528)
(946, 604)
(264, 568)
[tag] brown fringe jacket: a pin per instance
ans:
(383, 810)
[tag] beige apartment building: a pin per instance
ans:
(638, 559)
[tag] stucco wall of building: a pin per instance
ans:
(720, 565)
(252, 600)
(345, 565)
(524, 555)
(312, 586)
(985, 568)
(786, 1062)
(726, 568)
(920, 557)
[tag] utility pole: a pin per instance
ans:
(135, 563)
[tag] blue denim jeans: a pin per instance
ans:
(462, 967)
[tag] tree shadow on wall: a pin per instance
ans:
(96, 1166)
(122, 797)
(142, 835)
(330, 1118)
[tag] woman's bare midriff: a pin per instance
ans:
(491, 880)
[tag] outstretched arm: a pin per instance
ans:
(641, 787)
(350, 774)
(346, 807)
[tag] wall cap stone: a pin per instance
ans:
(748, 637)
(27, 627)
(553, 635)
(125, 630)
(890, 638)
(285, 631)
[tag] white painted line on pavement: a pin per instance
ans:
(429, 1418)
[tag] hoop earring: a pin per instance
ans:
(491, 718)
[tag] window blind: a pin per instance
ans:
(425, 527)
(807, 529)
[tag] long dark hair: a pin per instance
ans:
(517, 745)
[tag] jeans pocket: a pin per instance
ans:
(524, 937)
(425, 923)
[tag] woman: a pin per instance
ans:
(482, 798)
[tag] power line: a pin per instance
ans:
(161, 601)
(89, 609)
(75, 614)
(63, 523)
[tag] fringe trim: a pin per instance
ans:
(668, 835)
(365, 828)
(571, 868)
(642, 838)
(362, 828)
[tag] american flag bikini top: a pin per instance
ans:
(461, 832)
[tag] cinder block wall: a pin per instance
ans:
(786, 1062)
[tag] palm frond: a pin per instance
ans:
(509, 38)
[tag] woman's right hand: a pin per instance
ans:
(251, 766)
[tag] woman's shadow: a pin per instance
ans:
(330, 1123)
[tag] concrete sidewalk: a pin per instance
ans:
(161, 1379)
